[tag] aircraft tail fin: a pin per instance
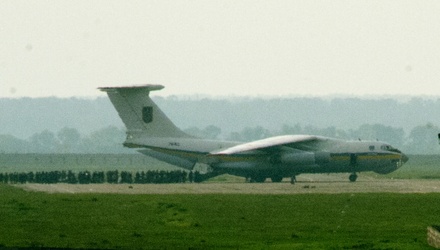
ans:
(141, 116)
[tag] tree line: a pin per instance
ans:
(24, 117)
(96, 177)
(421, 139)
(74, 125)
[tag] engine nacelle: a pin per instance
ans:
(302, 158)
(305, 158)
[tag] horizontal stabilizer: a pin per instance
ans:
(147, 87)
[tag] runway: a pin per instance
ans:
(319, 184)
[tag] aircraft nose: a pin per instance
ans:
(404, 158)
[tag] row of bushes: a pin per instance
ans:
(86, 177)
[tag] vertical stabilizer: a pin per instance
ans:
(140, 114)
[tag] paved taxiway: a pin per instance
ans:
(306, 184)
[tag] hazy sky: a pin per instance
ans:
(69, 48)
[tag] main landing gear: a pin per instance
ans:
(256, 178)
(353, 177)
(276, 178)
(262, 178)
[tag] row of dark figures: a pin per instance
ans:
(87, 177)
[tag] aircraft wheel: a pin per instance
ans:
(277, 178)
(259, 179)
(353, 177)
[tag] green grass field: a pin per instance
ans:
(80, 162)
(418, 167)
(311, 221)
(421, 167)
(301, 221)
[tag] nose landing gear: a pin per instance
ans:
(293, 179)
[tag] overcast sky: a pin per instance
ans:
(270, 48)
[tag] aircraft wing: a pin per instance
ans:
(301, 142)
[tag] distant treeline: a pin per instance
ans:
(114, 177)
(54, 125)
(421, 139)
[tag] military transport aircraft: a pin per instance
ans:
(152, 133)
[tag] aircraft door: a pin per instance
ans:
(353, 160)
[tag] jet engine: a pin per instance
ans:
(300, 158)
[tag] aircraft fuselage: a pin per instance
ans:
(333, 156)
(152, 133)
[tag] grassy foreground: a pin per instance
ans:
(311, 221)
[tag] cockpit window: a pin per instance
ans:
(389, 148)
